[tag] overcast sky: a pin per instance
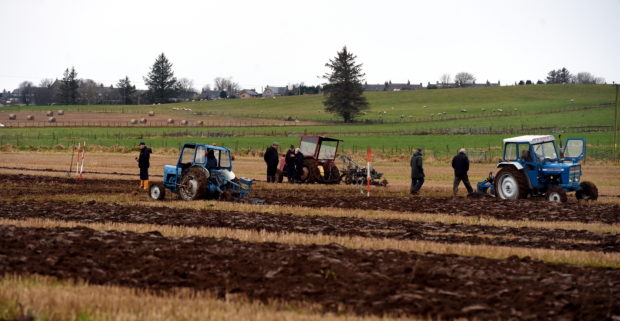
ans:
(276, 43)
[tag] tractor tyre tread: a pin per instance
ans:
(588, 191)
(201, 179)
(313, 171)
(524, 187)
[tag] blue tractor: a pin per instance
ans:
(202, 171)
(532, 166)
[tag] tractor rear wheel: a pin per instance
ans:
(157, 191)
(588, 191)
(333, 176)
(192, 186)
(511, 184)
(310, 172)
(556, 194)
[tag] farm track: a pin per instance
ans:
(536, 210)
(93, 212)
(339, 279)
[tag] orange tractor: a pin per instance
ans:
(319, 161)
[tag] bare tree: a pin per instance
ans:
(186, 85)
(588, 78)
(226, 84)
(89, 91)
(46, 82)
(206, 87)
(445, 79)
(464, 78)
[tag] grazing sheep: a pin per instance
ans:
(133, 121)
(29, 117)
(170, 121)
(142, 120)
(12, 116)
(49, 113)
(183, 122)
(463, 110)
(151, 113)
(61, 112)
(51, 120)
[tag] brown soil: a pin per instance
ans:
(91, 212)
(538, 210)
(337, 278)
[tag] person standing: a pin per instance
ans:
(417, 172)
(271, 158)
(289, 160)
(460, 163)
(144, 163)
(299, 165)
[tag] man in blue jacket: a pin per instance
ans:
(460, 163)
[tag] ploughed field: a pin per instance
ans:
(108, 232)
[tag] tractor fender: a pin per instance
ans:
(518, 166)
(204, 170)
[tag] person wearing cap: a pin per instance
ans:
(289, 160)
(144, 163)
(417, 172)
(460, 163)
(272, 159)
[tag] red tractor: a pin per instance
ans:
(319, 161)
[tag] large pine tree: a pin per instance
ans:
(126, 90)
(344, 92)
(161, 81)
(69, 85)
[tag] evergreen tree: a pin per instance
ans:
(125, 90)
(69, 85)
(344, 88)
(161, 81)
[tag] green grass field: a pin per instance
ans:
(530, 98)
(540, 109)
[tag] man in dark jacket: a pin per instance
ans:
(299, 164)
(272, 159)
(144, 163)
(460, 163)
(417, 172)
(289, 160)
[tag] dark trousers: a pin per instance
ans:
(144, 173)
(416, 184)
(457, 181)
(290, 172)
(271, 173)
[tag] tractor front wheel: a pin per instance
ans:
(192, 186)
(556, 194)
(510, 184)
(588, 191)
(157, 191)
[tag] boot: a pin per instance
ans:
(146, 184)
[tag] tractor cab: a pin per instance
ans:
(319, 147)
(533, 165)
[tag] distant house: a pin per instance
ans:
(210, 94)
(389, 86)
(274, 91)
(249, 93)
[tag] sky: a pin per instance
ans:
(276, 43)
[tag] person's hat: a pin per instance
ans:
(292, 146)
(141, 144)
(462, 150)
(275, 144)
(297, 150)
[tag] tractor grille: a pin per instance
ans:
(574, 174)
